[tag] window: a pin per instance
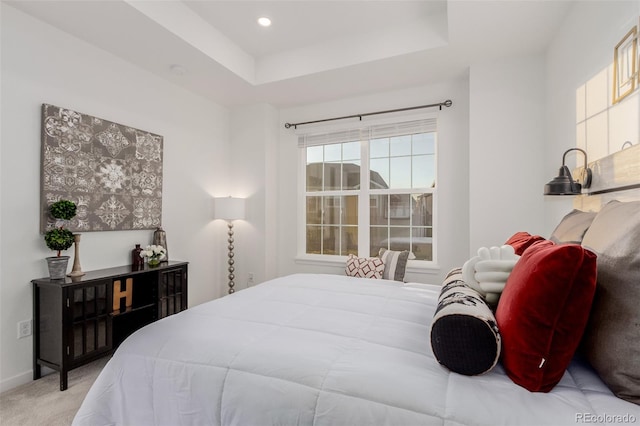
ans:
(333, 180)
(369, 188)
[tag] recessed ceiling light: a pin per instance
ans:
(264, 21)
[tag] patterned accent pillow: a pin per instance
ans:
(464, 332)
(395, 263)
(364, 267)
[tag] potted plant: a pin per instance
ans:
(59, 238)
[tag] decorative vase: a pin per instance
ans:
(137, 261)
(153, 262)
(76, 270)
(57, 267)
(160, 239)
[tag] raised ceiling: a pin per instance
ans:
(315, 50)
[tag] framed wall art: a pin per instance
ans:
(113, 172)
(625, 66)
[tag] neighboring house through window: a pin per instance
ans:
(370, 187)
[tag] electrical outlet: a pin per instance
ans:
(24, 329)
(250, 279)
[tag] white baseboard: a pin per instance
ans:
(21, 379)
(15, 381)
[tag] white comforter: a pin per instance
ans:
(321, 350)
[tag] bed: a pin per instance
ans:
(322, 350)
(313, 349)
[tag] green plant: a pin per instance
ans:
(59, 238)
(63, 209)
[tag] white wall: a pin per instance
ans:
(579, 64)
(490, 148)
(506, 148)
(453, 177)
(253, 176)
(43, 65)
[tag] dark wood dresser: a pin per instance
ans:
(78, 320)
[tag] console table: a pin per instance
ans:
(78, 320)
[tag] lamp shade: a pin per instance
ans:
(229, 208)
(563, 184)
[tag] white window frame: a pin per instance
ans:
(363, 195)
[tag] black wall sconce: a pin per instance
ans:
(563, 184)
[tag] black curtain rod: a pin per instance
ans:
(446, 103)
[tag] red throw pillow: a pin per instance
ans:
(543, 312)
(521, 240)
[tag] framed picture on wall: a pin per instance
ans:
(625, 66)
(113, 172)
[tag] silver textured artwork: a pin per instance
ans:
(111, 171)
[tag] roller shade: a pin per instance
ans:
(367, 132)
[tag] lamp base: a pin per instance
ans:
(230, 255)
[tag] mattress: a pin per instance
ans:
(322, 350)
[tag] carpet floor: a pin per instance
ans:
(41, 403)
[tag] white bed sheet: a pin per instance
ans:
(321, 350)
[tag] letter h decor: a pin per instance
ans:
(119, 294)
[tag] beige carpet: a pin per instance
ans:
(40, 402)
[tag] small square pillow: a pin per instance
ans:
(521, 240)
(364, 267)
(464, 334)
(395, 263)
(543, 311)
(572, 227)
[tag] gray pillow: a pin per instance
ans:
(395, 263)
(572, 227)
(611, 340)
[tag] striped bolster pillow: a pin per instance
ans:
(395, 263)
(464, 333)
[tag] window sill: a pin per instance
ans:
(422, 267)
(413, 266)
(319, 260)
